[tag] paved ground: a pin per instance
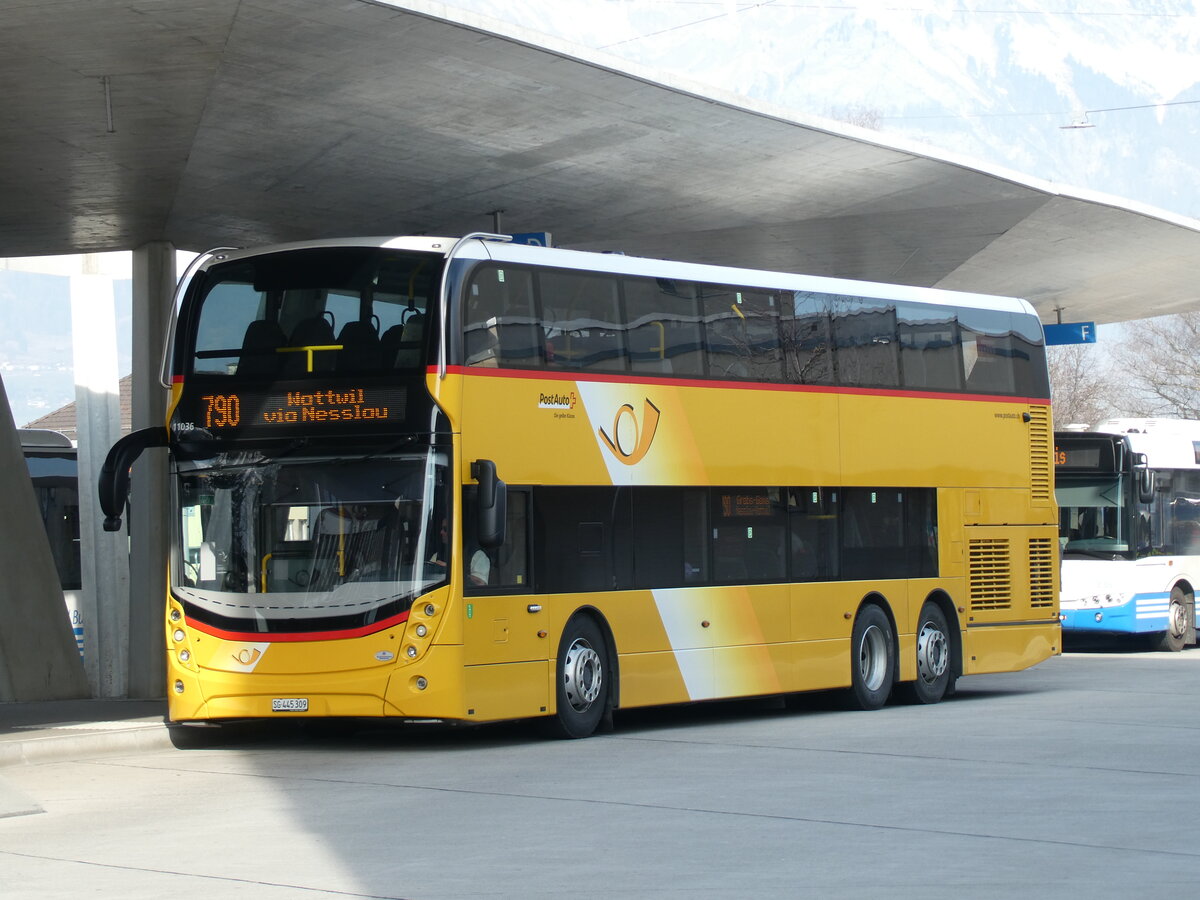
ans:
(1072, 779)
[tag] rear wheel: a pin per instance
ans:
(583, 680)
(872, 659)
(935, 672)
(1173, 639)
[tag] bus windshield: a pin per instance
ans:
(1092, 519)
(309, 544)
(306, 315)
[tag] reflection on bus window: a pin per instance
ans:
(581, 321)
(501, 324)
(536, 318)
(665, 335)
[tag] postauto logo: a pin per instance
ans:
(557, 401)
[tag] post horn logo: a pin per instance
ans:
(247, 656)
(631, 444)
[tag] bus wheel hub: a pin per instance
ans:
(582, 675)
(933, 654)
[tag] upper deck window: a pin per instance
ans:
(665, 336)
(527, 318)
(582, 323)
(303, 313)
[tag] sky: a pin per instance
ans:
(36, 358)
(993, 80)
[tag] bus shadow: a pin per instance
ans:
(369, 735)
(1116, 644)
(350, 735)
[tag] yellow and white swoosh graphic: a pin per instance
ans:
(643, 433)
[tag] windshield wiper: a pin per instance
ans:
(1095, 554)
(375, 454)
(242, 461)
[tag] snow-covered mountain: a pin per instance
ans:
(992, 80)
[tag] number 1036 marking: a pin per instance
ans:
(222, 411)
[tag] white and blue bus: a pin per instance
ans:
(1128, 493)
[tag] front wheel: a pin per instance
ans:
(935, 672)
(1173, 639)
(583, 680)
(872, 659)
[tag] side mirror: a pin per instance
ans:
(1145, 485)
(114, 474)
(493, 503)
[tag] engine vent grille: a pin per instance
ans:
(1040, 482)
(990, 574)
(1041, 573)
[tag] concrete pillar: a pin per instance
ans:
(149, 523)
(104, 556)
(38, 656)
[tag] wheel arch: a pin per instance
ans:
(875, 598)
(610, 648)
(943, 602)
(1184, 583)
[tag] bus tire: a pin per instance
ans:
(1173, 639)
(583, 676)
(872, 659)
(935, 663)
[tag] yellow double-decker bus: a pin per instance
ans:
(471, 480)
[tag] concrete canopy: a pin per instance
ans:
(238, 122)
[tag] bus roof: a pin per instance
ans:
(1167, 443)
(43, 438)
(485, 248)
(1189, 428)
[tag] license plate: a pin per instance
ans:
(289, 704)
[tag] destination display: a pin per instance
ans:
(755, 505)
(309, 411)
(1084, 454)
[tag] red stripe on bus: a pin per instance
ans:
(542, 375)
(258, 637)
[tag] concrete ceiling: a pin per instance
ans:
(239, 122)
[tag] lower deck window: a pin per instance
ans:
(582, 539)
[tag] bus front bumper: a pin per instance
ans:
(1141, 614)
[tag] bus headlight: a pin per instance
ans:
(1099, 617)
(411, 651)
(421, 630)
